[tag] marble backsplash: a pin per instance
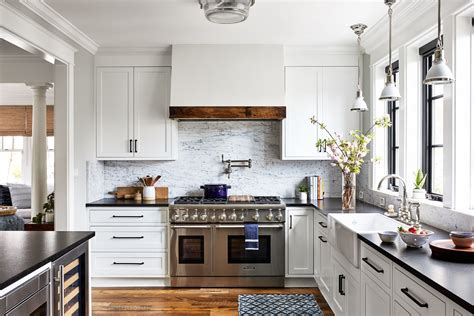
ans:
(201, 145)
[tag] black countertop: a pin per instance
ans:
(22, 252)
(455, 280)
(112, 202)
(332, 205)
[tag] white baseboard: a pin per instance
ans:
(300, 282)
(130, 282)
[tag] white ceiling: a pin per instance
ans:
(153, 23)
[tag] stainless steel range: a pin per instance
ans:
(207, 242)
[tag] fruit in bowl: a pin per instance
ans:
(414, 237)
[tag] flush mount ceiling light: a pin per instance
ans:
(226, 11)
(390, 92)
(439, 72)
(359, 103)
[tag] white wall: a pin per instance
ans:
(84, 132)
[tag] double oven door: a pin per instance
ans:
(218, 250)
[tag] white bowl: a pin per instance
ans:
(415, 240)
(388, 236)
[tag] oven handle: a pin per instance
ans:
(190, 226)
(242, 226)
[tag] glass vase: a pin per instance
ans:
(348, 191)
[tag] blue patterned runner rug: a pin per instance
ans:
(278, 304)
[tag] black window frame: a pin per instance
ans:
(426, 52)
(392, 108)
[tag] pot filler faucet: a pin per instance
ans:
(404, 213)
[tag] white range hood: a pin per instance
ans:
(220, 77)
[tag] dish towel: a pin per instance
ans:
(251, 236)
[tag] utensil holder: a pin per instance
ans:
(149, 193)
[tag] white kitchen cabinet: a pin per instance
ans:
(114, 112)
(324, 92)
(375, 300)
(299, 242)
(326, 267)
(345, 289)
(132, 114)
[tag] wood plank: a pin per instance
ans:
(71, 280)
(183, 301)
(72, 310)
(71, 295)
(228, 112)
(71, 265)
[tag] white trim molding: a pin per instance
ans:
(45, 11)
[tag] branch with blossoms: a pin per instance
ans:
(348, 155)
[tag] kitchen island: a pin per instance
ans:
(36, 264)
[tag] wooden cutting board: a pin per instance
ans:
(121, 192)
(444, 249)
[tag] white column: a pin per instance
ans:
(39, 188)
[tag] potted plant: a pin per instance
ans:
(418, 191)
(48, 208)
(348, 155)
(303, 192)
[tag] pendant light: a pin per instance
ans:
(359, 104)
(439, 72)
(226, 11)
(390, 92)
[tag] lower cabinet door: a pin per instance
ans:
(352, 289)
(375, 300)
(402, 309)
(339, 293)
(325, 278)
(300, 242)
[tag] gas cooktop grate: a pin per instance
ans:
(201, 200)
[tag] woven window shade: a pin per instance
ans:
(16, 120)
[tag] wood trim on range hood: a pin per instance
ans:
(275, 113)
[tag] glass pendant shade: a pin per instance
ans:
(390, 92)
(359, 104)
(439, 72)
(226, 11)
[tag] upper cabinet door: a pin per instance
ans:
(114, 112)
(340, 87)
(303, 99)
(153, 130)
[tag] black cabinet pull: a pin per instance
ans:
(130, 263)
(413, 298)
(127, 216)
(341, 278)
(128, 237)
(291, 221)
(373, 266)
(323, 225)
(130, 146)
(136, 145)
(323, 239)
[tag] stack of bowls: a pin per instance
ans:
(462, 239)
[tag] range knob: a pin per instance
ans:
(242, 216)
(256, 216)
(222, 217)
(204, 216)
(213, 216)
(185, 215)
(279, 216)
(175, 216)
(233, 216)
(194, 217)
(270, 216)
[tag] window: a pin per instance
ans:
(393, 135)
(432, 124)
(16, 159)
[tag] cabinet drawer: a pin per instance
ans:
(321, 223)
(119, 216)
(129, 264)
(407, 289)
(130, 239)
(376, 265)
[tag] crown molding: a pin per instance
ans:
(43, 10)
(312, 49)
(135, 51)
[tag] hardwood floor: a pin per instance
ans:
(182, 301)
